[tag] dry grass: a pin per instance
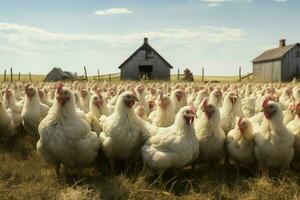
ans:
(116, 77)
(23, 175)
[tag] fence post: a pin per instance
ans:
(178, 74)
(240, 74)
(109, 77)
(85, 73)
(4, 77)
(19, 78)
(98, 75)
(202, 78)
(30, 77)
(11, 75)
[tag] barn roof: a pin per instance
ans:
(146, 47)
(274, 54)
(58, 74)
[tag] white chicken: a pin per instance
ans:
(33, 111)
(123, 131)
(6, 123)
(215, 97)
(230, 110)
(274, 144)
(178, 98)
(164, 115)
(200, 96)
(209, 134)
(15, 109)
(240, 143)
(64, 137)
(294, 128)
(141, 112)
(175, 146)
(141, 95)
(85, 100)
(44, 99)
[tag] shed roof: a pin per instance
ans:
(146, 47)
(274, 54)
(58, 74)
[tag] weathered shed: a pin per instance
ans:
(279, 64)
(145, 63)
(57, 74)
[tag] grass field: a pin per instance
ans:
(23, 175)
(116, 77)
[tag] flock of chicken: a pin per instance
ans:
(167, 125)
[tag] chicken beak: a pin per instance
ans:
(233, 99)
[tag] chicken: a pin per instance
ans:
(230, 110)
(175, 146)
(199, 98)
(289, 114)
(285, 98)
(97, 109)
(33, 111)
(17, 92)
(123, 132)
(164, 115)
(64, 137)
(44, 99)
(296, 93)
(215, 97)
(178, 98)
(209, 134)
(294, 128)
(85, 100)
(273, 142)
(248, 106)
(240, 143)
(15, 109)
(140, 93)
(98, 106)
(141, 112)
(6, 123)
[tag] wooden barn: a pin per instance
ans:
(279, 64)
(145, 63)
(57, 74)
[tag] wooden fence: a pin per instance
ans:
(117, 76)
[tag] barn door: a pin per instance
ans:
(146, 71)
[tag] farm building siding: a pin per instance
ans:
(279, 64)
(291, 64)
(267, 71)
(145, 56)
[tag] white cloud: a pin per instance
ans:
(29, 47)
(113, 11)
(34, 38)
(214, 3)
(281, 1)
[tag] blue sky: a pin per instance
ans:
(219, 35)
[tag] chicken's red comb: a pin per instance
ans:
(240, 120)
(59, 87)
(265, 103)
(205, 103)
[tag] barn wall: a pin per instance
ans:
(130, 70)
(267, 71)
(291, 64)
